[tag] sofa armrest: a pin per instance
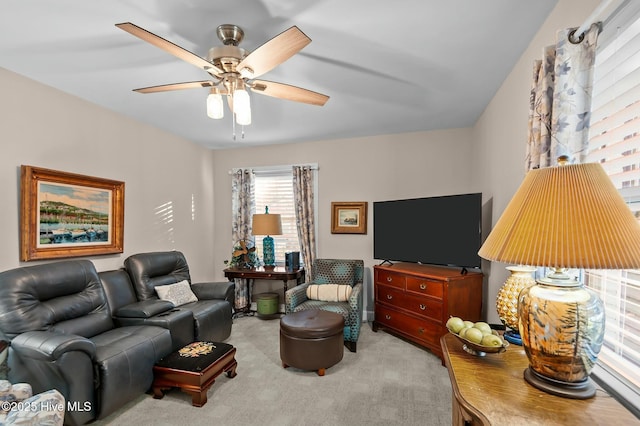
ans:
(144, 309)
(219, 290)
(295, 296)
(49, 346)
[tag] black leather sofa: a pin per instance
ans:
(96, 336)
(62, 336)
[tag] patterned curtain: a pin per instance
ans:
(303, 178)
(242, 210)
(560, 100)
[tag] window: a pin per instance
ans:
(615, 124)
(274, 188)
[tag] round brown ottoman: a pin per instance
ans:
(311, 340)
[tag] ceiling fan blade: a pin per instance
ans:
(169, 47)
(273, 52)
(286, 91)
(175, 86)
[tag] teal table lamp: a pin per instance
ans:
(267, 224)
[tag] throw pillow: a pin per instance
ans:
(329, 292)
(178, 293)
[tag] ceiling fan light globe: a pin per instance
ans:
(215, 108)
(244, 119)
(242, 107)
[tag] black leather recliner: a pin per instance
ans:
(62, 336)
(212, 312)
(126, 310)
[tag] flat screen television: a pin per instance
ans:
(444, 230)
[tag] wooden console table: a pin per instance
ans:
(491, 390)
(279, 273)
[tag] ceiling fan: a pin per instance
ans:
(232, 69)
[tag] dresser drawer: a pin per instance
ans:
(423, 306)
(413, 327)
(389, 295)
(425, 286)
(391, 279)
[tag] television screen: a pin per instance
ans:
(442, 230)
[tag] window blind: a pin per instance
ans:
(614, 142)
(274, 188)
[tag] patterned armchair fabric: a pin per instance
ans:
(333, 271)
(19, 407)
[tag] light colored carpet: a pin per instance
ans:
(387, 382)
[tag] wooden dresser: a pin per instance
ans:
(414, 301)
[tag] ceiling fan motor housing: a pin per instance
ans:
(226, 57)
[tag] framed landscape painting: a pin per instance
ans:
(67, 215)
(349, 217)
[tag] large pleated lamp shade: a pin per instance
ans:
(569, 216)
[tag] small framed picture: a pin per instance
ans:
(349, 217)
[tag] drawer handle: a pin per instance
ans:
(422, 307)
(423, 286)
(388, 317)
(421, 330)
(389, 296)
(389, 279)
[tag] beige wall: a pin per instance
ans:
(168, 180)
(366, 169)
(501, 132)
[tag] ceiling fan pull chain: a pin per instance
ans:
(233, 125)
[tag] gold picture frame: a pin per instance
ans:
(68, 215)
(349, 217)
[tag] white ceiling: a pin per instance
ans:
(389, 67)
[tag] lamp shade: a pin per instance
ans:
(566, 217)
(570, 216)
(266, 224)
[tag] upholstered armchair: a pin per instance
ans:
(333, 271)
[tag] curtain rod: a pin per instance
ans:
(285, 167)
(595, 16)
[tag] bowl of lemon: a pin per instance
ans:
(478, 338)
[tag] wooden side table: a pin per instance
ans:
(491, 390)
(279, 273)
